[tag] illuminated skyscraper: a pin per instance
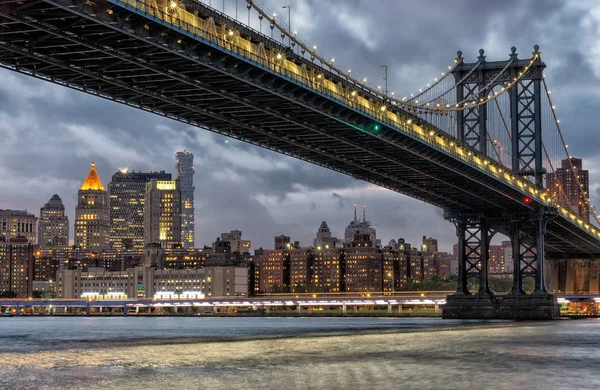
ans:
(185, 168)
(126, 191)
(92, 218)
(162, 213)
(53, 225)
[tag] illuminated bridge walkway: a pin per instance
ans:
(481, 141)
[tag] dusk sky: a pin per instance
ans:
(49, 135)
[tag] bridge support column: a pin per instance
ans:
(344, 309)
(389, 307)
(400, 309)
(594, 288)
(552, 271)
(125, 310)
(299, 309)
(527, 236)
(570, 276)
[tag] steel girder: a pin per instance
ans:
(126, 58)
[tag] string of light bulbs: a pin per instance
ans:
(585, 197)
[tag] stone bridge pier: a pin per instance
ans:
(526, 233)
(573, 276)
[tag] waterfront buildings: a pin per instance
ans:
(53, 225)
(358, 267)
(150, 282)
(564, 185)
(162, 213)
(126, 191)
(16, 266)
(92, 215)
(185, 169)
(18, 223)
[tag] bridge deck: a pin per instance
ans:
(128, 54)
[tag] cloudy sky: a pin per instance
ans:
(49, 135)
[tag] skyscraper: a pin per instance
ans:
(53, 225)
(126, 191)
(360, 227)
(162, 213)
(564, 186)
(185, 168)
(18, 223)
(92, 215)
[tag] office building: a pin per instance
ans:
(53, 225)
(18, 223)
(92, 215)
(126, 191)
(564, 185)
(185, 169)
(162, 213)
(16, 266)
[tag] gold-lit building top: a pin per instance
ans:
(92, 181)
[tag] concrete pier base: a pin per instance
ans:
(509, 307)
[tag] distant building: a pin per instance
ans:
(324, 237)
(53, 225)
(162, 213)
(185, 169)
(273, 269)
(429, 244)
(564, 186)
(149, 282)
(92, 215)
(18, 223)
(282, 242)
(236, 243)
(126, 191)
(16, 266)
(357, 226)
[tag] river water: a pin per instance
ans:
(296, 353)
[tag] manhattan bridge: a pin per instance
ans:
(481, 141)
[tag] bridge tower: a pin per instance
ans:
(474, 82)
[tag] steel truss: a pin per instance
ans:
(108, 51)
(526, 231)
(525, 108)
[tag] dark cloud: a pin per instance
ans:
(49, 134)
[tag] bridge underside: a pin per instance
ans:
(118, 54)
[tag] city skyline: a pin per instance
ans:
(261, 187)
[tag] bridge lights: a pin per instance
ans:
(173, 5)
(527, 200)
